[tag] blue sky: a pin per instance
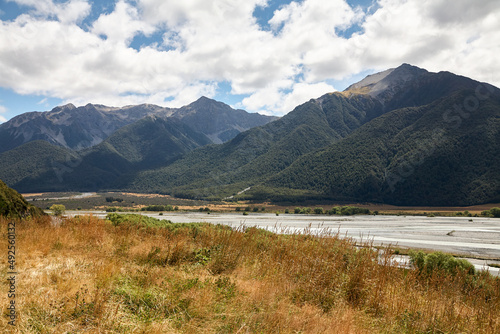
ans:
(260, 55)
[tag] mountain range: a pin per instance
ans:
(86, 126)
(404, 136)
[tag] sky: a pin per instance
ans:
(263, 56)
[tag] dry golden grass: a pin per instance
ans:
(86, 275)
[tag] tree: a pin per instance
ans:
(58, 209)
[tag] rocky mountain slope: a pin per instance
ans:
(86, 126)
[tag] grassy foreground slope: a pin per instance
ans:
(134, 276)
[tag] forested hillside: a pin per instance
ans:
(13, 205)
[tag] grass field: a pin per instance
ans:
(138, 275)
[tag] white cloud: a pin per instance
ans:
(69, 12)
(422, 33)
(3, 110)
(285, 97)
(205, 42)
(122, 24)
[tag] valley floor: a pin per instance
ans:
(90, 201)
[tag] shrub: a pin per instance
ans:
(296, 210)
(334, 211)
(114, 199)
(157, 208)
(438, 261)
(58, 209)
(306, 210)
(493, 212)
(150, 222)
(353, 210)
(287, 211)
(318, 211)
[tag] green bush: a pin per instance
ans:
(353, 210)
(306, 210)
(114, 199)
(145, 221)
(438, 261)
(493, 212)
(334, 211)
(318, 211)
(158, 208)
(58, 209)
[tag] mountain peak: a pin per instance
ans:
(203, 100)
(203, 105)
(386, 81)
(69, 106)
